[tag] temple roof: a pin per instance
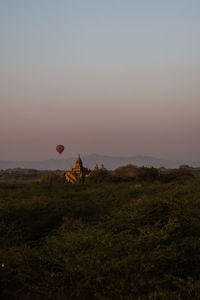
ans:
(79, 163)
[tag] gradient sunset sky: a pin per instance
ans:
(116, 77)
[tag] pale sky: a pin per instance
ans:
(116, 77)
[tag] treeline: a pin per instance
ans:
(129, 173)
(132, 173)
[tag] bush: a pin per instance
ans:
(133, 173)
(50, 178)
(126, 173)
(100, 176)
(177, 176)
(147, 174)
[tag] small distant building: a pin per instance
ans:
(96, 167)
(102, 167)
(77, 174)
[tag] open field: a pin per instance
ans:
(133, 238)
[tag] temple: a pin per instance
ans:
(77, 174)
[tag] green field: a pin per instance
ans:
(111, 238)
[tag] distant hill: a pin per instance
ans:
(110, 162)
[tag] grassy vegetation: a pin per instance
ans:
(118, 236)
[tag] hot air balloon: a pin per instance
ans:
(60, 148)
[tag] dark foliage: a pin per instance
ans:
(100, 176)
(150, 175)
(102, 240)
(177, 176)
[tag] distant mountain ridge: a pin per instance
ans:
(110, 162)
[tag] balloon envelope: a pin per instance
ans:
(60, 148)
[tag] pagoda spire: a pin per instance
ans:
(79, 163)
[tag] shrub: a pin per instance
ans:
(100, 176)
(177, 176)
(134, 173)
(50, 178)
(126, 173)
